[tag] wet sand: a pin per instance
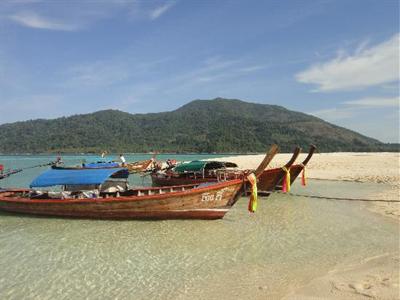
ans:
(372, 278)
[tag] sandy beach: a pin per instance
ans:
(374, 277)
(360, 167)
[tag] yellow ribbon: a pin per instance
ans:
(253, 196)
(286, 180)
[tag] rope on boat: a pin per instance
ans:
(341, 199)
(15, 171)
(341, 179)
(38, 166)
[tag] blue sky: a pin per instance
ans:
(338, 60)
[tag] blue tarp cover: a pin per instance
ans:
(76, 177)
(101, 164)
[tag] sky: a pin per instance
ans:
(337, 60)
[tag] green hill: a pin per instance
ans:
(219, 125)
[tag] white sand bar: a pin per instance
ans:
(362, 167)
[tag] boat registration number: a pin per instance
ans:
(209, 197)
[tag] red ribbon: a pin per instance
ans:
(303, 177)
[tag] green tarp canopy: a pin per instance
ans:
(199, 166)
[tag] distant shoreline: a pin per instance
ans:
(126, 153)
(181, 153)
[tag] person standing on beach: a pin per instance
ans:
(122, 159)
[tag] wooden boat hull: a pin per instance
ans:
(295, 170)
(209, 202)
(171, 180)
(269, 179)
(266, 182)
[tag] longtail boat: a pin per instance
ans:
(139, 166)
(107, 201)
(296, 169)
(270, 179)
(213, 171)
(142, 165)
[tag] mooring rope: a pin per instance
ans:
(10, 172)
(339, 198)
(38, 166)
(341, 179)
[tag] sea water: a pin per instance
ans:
(287, 242)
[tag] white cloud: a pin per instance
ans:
(382, 125)
(254, 68)
(367, 67)
(334, 114)
(99, 73)
(350, 109)
(115, 70)
(33, 20)
(375, 102)
(76, 15)
(160, 10)
(216, 68)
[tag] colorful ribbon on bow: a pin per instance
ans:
(253, 196)
(286, 180)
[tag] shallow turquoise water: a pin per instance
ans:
(288, 241)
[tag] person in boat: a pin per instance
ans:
(58, 160)
(103, 154)
(1, 169)
(122, 159)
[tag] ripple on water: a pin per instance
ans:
(289, 240)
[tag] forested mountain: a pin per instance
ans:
(219, 125)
